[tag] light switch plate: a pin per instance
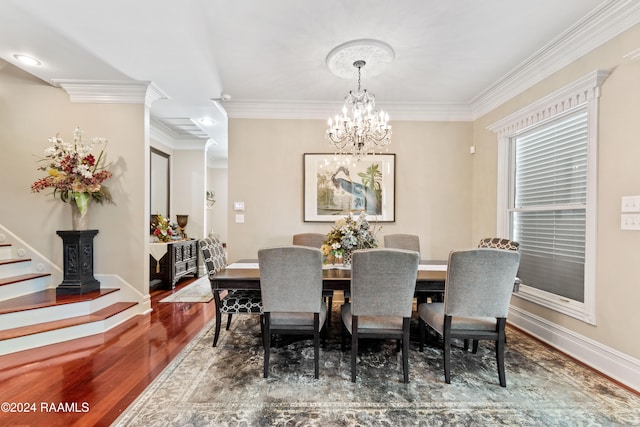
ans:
(238, 206)
(239, 218)
(630, 204)
(630, 222)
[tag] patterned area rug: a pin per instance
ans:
(206, 386)
(197, 291)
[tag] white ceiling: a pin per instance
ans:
(453, 59)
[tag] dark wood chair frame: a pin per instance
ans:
(476, 335)
(292, 330)
(402, 337)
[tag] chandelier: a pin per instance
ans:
(360, 129)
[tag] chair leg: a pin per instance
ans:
(354, 346)
(405, 348)
(267, 343)
(329, 309)
(316, 344)
(474, 349)
(500, 352)
(218, 324)
(343, 344)
(216, 296)
(466, 345)
(421, 328)
(228, 321)
(446, 349)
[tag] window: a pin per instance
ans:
(547, 164)
(549, 201)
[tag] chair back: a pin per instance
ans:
(409, 242)
(291, 279)
(383, 282)
(480, 282)
(313, 240)
(213, 254)
(499, 243)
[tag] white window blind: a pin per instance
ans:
(548, 208)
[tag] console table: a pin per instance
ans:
(176, 260)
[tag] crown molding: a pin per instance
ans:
(160, 133)
(190, 144)
(601, 25)
(110, 92)
(254, 109)
(164, 135)
(633, 56)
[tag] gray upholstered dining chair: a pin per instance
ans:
(291, 286)
(409, 242)
(383, 282)
(495, 243)
(476, 302)
(235, 301)
(315, 240)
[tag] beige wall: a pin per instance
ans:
(31, 111)
(618, 270)
(188, 189)
(433, 182)
(217, 219)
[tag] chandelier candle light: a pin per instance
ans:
(360, 129)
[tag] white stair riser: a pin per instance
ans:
(58, 312)
(5, 252)
(15, 269)
(66, 334)
(17, 289)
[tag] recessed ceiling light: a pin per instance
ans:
(207, 121)
(27, 60)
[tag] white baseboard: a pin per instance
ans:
(612, 363)
(127, 291)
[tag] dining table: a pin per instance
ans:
(245, 274)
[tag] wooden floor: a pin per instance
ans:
(90, 381)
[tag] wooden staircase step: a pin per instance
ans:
(48, 298)
(99, 315)
(22, 278)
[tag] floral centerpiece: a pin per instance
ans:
(348, 234)
(165, 229)
(74, 173)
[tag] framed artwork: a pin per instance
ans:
(335, 185)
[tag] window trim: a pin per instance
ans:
(583, 92)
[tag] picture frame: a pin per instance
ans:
(335, 185)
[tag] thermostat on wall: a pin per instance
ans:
(238, 206)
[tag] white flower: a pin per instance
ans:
(84, 171)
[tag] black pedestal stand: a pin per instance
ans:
(78, 263)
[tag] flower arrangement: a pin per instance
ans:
(349, 233)
(165, 229)
(74, 173)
